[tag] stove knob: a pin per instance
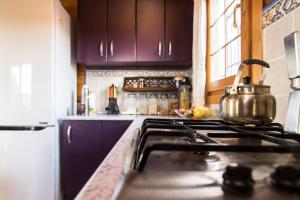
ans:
(286, 177)
(238, 179)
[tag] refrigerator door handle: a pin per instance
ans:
(24, 128)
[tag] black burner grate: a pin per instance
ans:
(183, 128)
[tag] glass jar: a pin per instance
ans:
(164, 105)
(174, 104)
(153, 104)
(184, 97)
(131, 104)
(143, 105)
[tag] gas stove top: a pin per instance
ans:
(211, 159)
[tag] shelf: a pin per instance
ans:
(147, 89)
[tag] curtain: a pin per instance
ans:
(199, 51)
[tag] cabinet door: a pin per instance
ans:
(179, 30)
(81, 154)
(111, 133)
(92, 31)
(150, 30)
(121, 31)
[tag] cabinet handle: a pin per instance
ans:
(170, 48)
(112, 48)
(234, 15)
(69, 134)
(101, 48)
(159, 48)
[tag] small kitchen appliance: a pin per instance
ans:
(180, 159)
(112, 108)
(248, 103)
(292, 50)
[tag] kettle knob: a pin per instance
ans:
(247, 80)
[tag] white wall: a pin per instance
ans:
(274, 54)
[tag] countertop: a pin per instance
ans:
(108, 177)
(103, 117)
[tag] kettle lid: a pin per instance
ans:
(246, 87)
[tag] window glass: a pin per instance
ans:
(232, 29)
(233, 57)
(225, 37)
(218, 35)
(217, 7)
(218, 65)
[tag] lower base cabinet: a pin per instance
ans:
(84, 145)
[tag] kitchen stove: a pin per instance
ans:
(212, 159)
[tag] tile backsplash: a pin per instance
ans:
(278, 9)
(274, 54)
(99, 81)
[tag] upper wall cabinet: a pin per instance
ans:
(179, 30)
(150, 30)
(121, 31)
(135, 32)
(92, 31)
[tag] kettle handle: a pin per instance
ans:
(240, 70)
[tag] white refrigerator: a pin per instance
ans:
(37, 87)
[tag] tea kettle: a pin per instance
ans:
(248, 103)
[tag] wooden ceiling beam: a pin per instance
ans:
(71, 7)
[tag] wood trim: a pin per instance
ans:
(256, 37)
(266, 2)
(208, 61)
(71, 7)
(220, 84)
(80, 81)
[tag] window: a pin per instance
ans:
(225, 23)
(234, 34)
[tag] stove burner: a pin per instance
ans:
(238, 179)
(286, 177)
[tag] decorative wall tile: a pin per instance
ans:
(277, 9)
(133, 73)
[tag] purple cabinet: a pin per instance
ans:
(150, 30)
(165, 30)
(84, 145)
(106, 31)
(80, 154)
(92, 32)
(179, 30)
(121, 31)
(111, 133)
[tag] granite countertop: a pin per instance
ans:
(108, 177)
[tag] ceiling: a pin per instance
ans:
(71, 7)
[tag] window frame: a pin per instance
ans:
(251, 47)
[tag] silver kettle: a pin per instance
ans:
(248, 103)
